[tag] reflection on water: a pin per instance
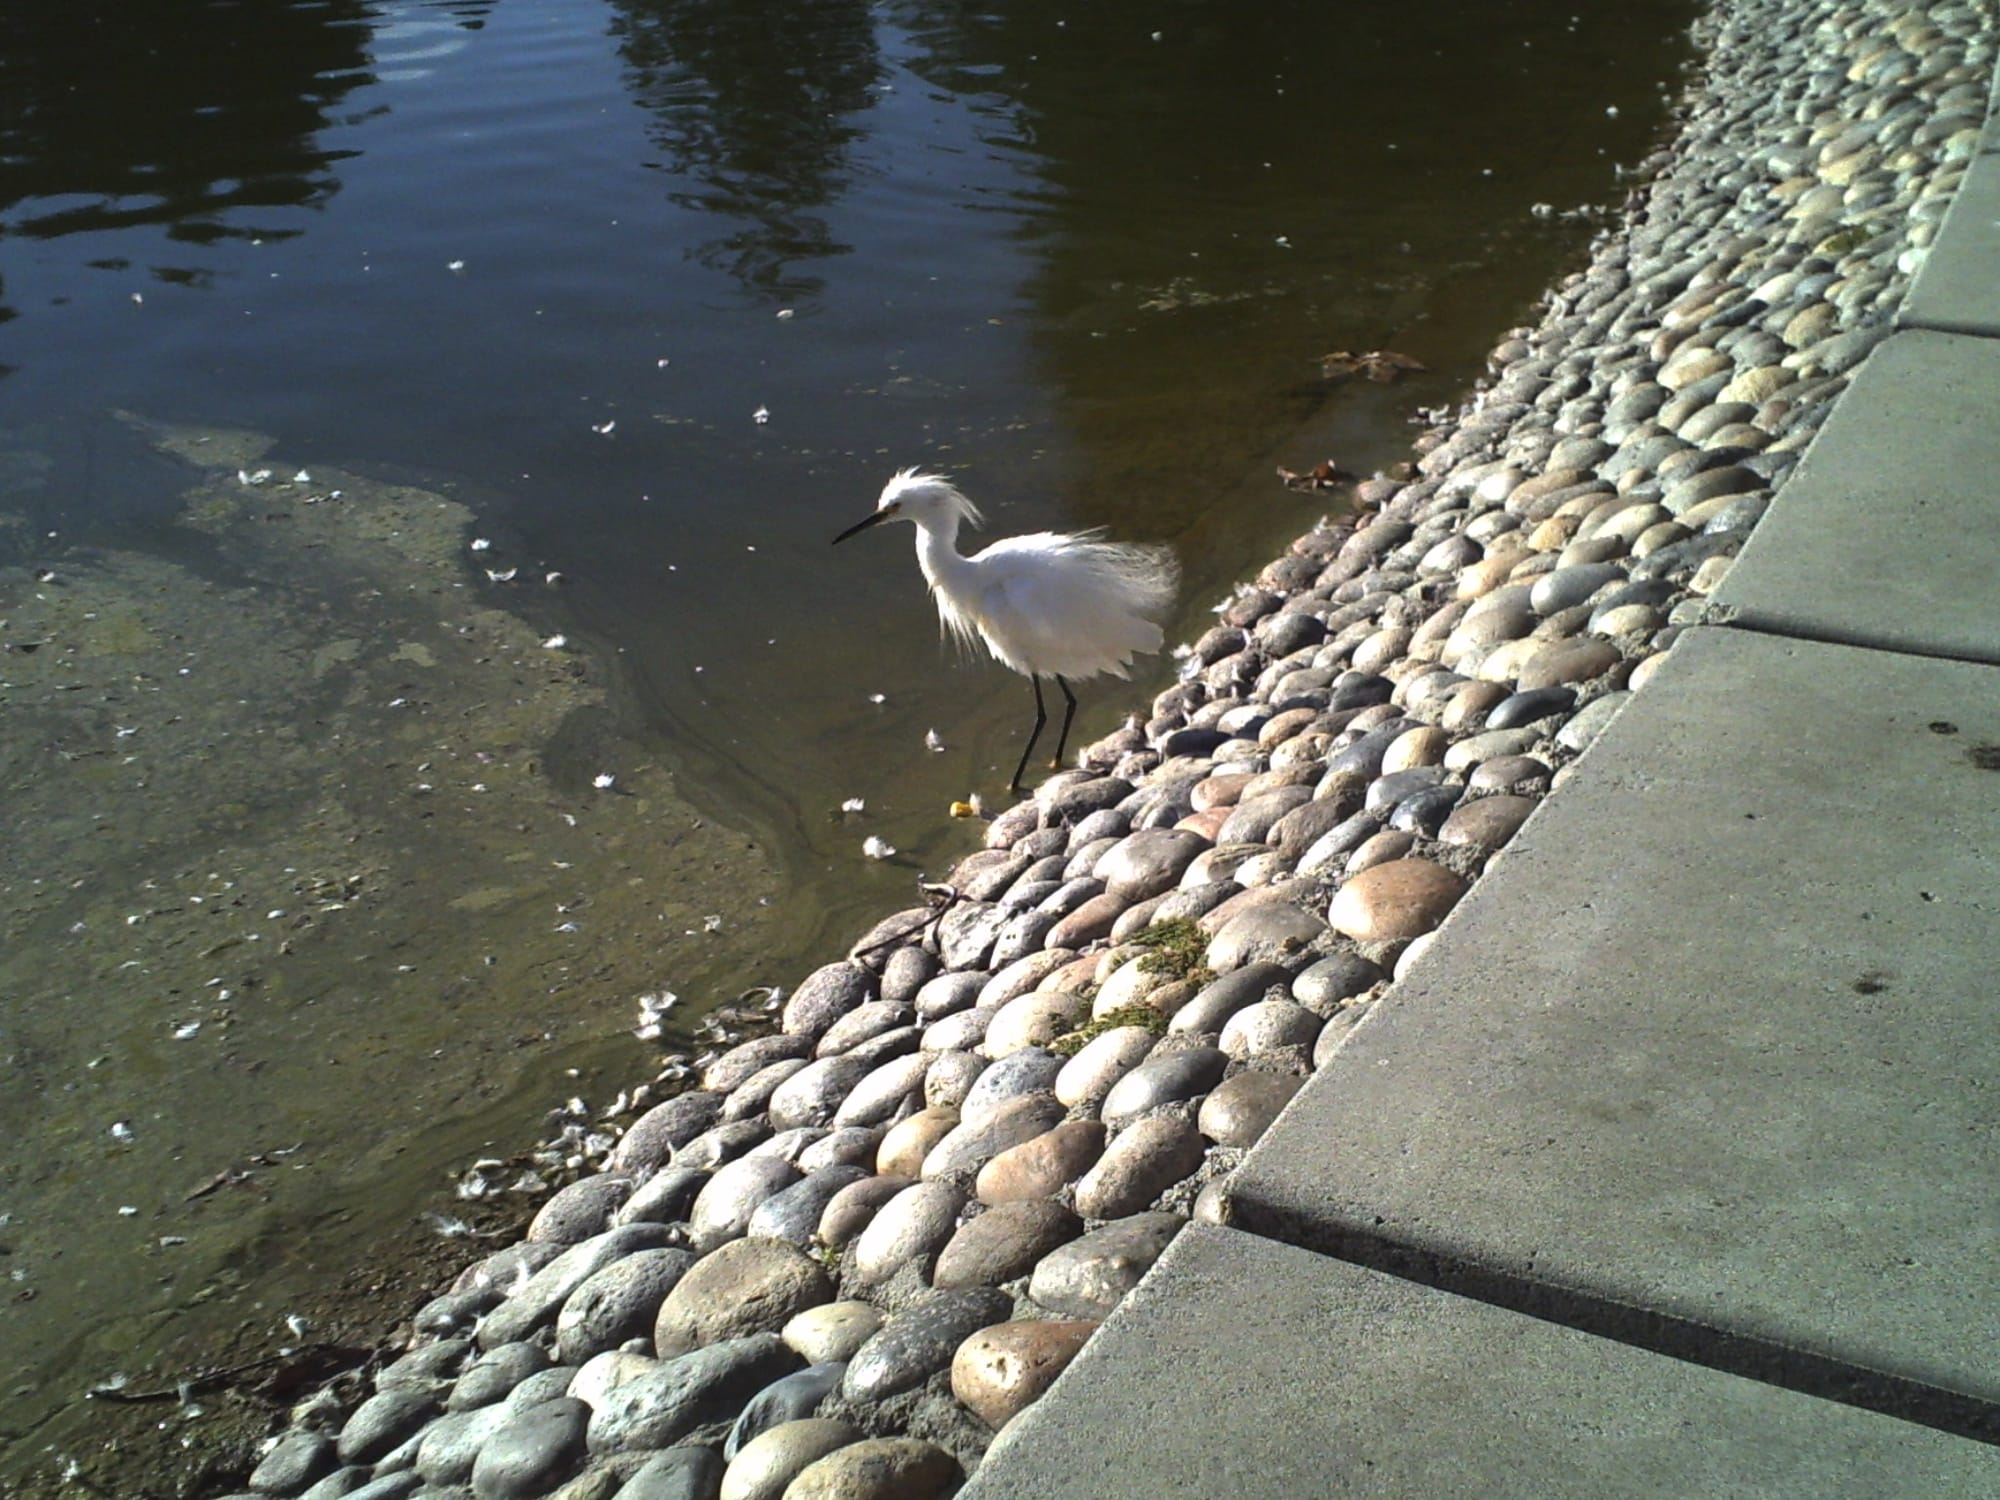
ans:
(541, 261)
(755, 109)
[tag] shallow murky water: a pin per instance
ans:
(307, 887)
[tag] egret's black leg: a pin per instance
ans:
(1069, 713)
(1041, 718)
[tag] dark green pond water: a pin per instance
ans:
(653, 296)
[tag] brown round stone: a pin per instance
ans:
(1404, 898)
(1571, 661)
(908, 1142)
(1486, 822)
(1000, 1371)
(1043, 1166)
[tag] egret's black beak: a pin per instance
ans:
(862, 525)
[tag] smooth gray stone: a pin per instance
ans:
(1089, 1276)
(1251, 822)
(683, 1473)
(906, 971)
(296, 1460)
(450, 1445)
(721, 1144)
(1030, 1070)
(1271, 933)
(580, 1209)
(843, 1146)
(1337, 977)
(383, 1421)
(1424, 812)
(967, 933)
(949, 993)
(1653, 591)
(1328, 851)
(1004, 1242)
(429, 1367)
(793, 1214)
(1146, 863)
(454, 1311)
(827, 994)
(1074, 803)
(722, 1210)
(664, 1198)
(791, 1399)
(1519, 709)
(543, 1385)
(665, 1128)
(876, 1099)
(920, 1340)
(496, 1372)
(537, 1449)
(619, 1303)
(748, 1058)
(813, 1094)
(1215, 1002)
(753, 1095)
(1566, 587)
(864, 1023)
(1386, 791)
(709, 1385)
(1163, 1078)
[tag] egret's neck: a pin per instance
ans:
(937, 552)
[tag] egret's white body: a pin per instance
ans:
(1048, 604)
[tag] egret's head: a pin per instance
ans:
(929, 500)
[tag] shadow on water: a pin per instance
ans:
(526, 273)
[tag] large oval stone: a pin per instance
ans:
(1141, 1163)
(619, 1303)
(1004, 1242)
(1486, 822)
(1144, 864)
(909, 1141)
(723, 1208)
(1164, 1078)
(1043, 1166)
(910, 1228)
(1242, 1108)
(746, 1287)
(1404, 898)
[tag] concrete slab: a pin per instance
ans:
(1889, 532)
(1958, 286)
(1708, 1061)
(1255, 1371)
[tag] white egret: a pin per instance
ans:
(1049, 604)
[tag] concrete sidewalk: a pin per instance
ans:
(1673, 1168)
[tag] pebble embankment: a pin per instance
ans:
(863, 1242)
